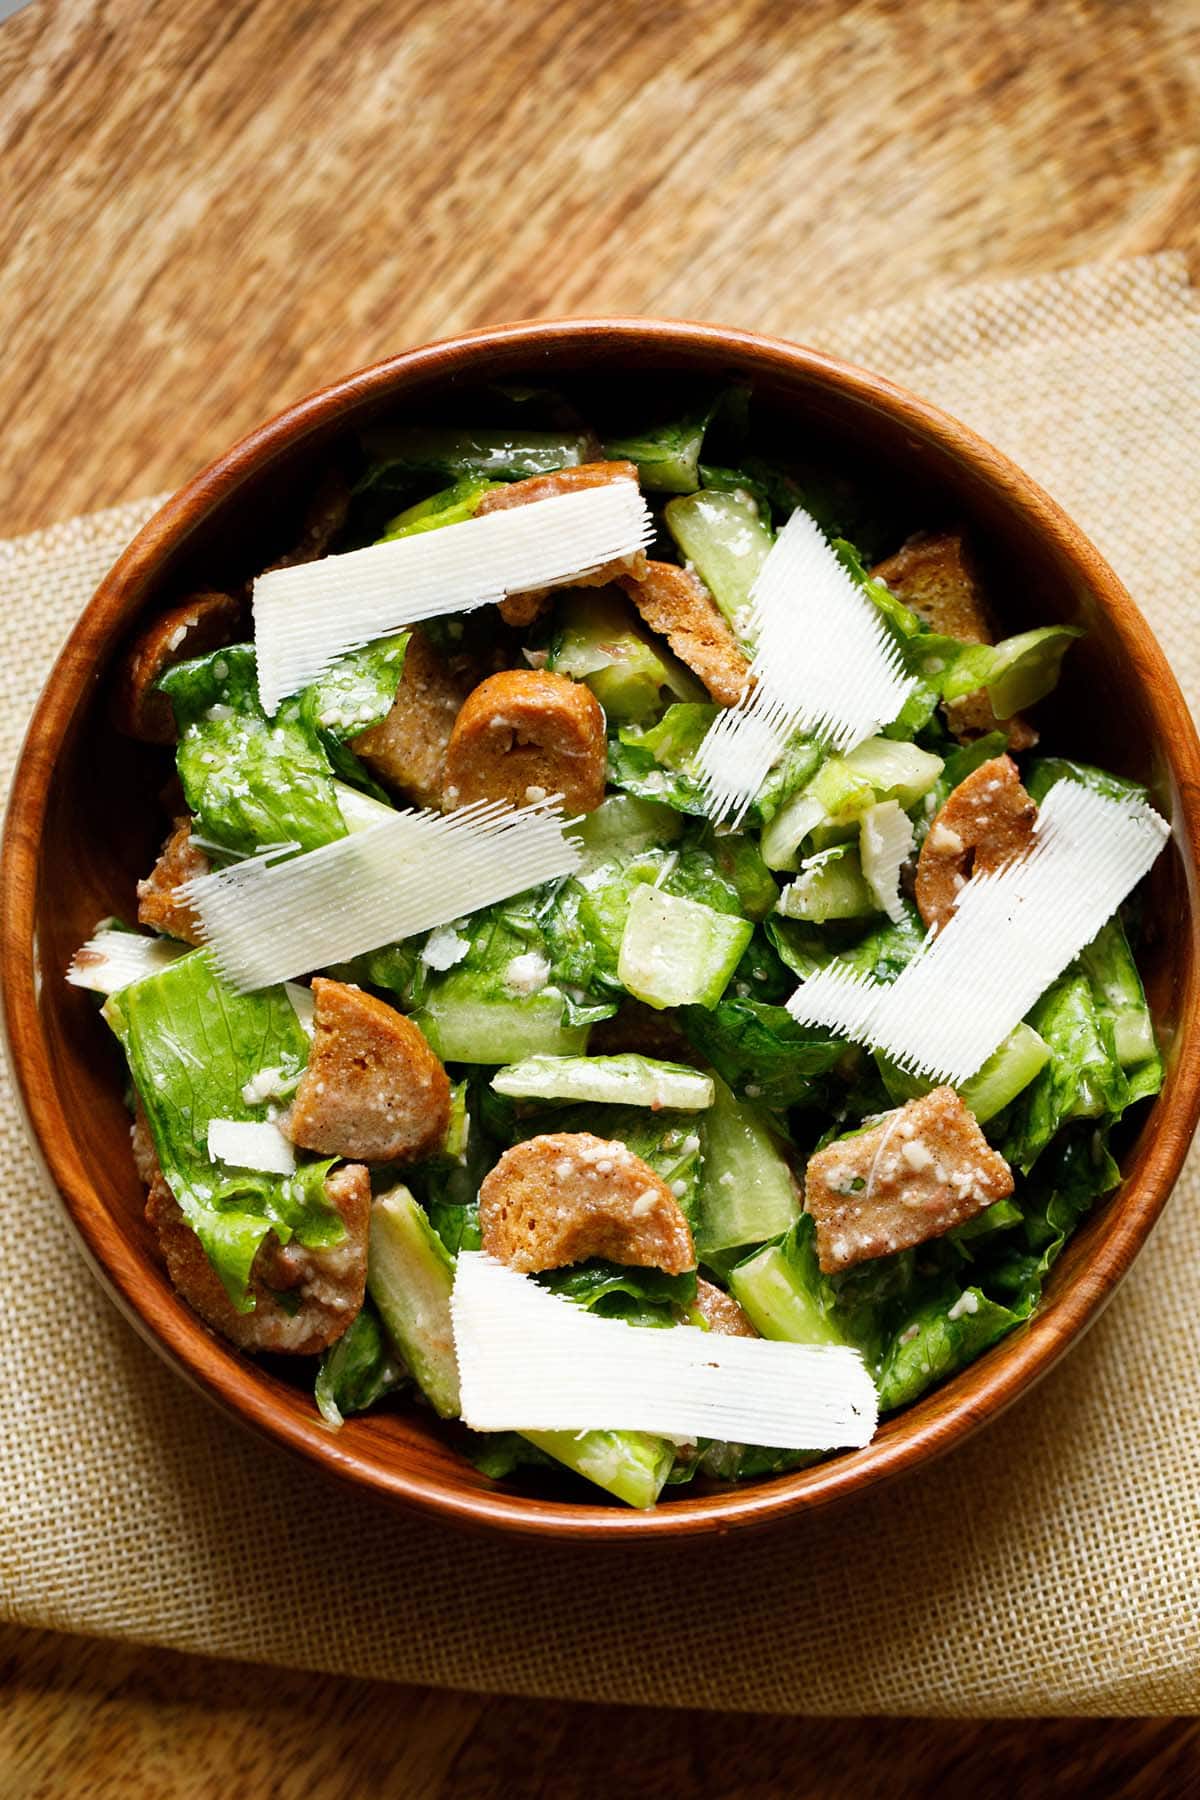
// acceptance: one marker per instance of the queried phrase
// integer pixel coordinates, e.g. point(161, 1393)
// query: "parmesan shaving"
point(886, 841)
point(1013, 931)
point(530, 1361)
point(307, 615)
point(251, 1144)
point(115, 959)
point(824, 664)
point(267, 921)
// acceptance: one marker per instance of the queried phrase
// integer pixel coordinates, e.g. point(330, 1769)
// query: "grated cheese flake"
point(886, 841)
point(115, 959)
point(267, 921)
point(1012, 932)
point(251, 1144)
point(824, 664)
point(308, 615)
point(529, 1360)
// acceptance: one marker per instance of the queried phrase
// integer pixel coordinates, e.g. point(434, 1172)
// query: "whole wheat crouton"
point(201, 623)
point(934, 575)
point(373, 1089)
point(920, 1171)
point(324, 1287)
point(567, 1196)
point(986, 821)
point(676, 603)
point(721, 1312)
point(160, 904)
point(523, 609)
point(524, 734)
point(407, 750)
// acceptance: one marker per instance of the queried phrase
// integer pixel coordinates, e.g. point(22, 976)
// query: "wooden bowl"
point(84, 823)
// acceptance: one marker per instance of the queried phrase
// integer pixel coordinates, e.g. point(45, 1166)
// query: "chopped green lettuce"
point(762, 1052)
point(450, 506)
point(358, 1370)
point(194, 1048)
point(617, 1291)
point(723, 538)
point(1017, 672)
point(251, 781)
point(599, 640)
point(397, 453)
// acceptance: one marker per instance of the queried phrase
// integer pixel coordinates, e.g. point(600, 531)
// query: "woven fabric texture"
point(1049, 1566)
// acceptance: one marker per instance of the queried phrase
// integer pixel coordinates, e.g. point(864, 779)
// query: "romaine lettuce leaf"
point(358, 1370)
point(1083, 1077)
point(354, 693)
point(251, 781)
point(617, 1291)
point(761, 1051)
point(194, 1048)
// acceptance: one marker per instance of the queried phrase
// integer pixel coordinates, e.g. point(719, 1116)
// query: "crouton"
point(524, 734)
point(721, 1312)
point(197, 625)
point(567, 1196)
point(523, 609)
point(913, 1176)
point(406, 751)
point(324, 1287)
point(160, 904)
point(934, 575)
point(676, 604)
point(987, 820)
point(373, 1089)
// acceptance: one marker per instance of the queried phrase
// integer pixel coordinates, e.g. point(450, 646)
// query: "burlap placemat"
point(1047, 1567)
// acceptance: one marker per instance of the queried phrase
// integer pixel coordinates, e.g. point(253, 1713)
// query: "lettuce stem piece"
point(725, 541)
point(746, 1189)
point(410, 1275)
point(677, 952)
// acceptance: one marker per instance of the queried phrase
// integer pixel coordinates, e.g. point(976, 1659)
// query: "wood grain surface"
point(206, 210)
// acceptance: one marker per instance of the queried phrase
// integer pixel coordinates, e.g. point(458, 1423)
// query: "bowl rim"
point(935, 1423)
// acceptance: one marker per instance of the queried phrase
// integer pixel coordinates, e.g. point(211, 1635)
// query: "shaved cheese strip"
point(1011, 934)
point(531, 1361)
point(251, 1144)
point(267, 921)
point(307, 615)
point(886, 839)
point(824, 664)
point(115, 959)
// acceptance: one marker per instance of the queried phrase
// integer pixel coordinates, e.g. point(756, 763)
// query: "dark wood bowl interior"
point(85, 821)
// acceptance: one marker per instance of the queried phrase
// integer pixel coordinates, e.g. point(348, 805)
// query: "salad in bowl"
point(620, 973)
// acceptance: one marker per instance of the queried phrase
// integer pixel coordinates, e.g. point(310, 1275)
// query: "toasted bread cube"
point(373, 1090)
point(568, 1196)
point(199, 624)
point(986, 821)
point(160, 904)
point(325, 1286)
point(523, 609)
point(676, 603)
point(406, 751)
point(721, 1312)
point(913, 1176)
point(524, 734)
point(934, 575)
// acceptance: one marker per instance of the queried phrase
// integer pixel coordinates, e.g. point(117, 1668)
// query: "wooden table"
point(209, 209)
